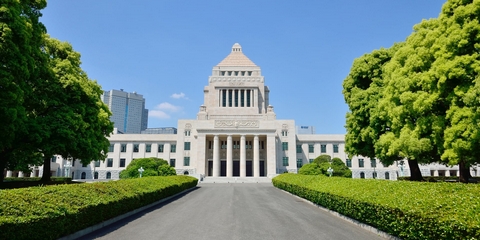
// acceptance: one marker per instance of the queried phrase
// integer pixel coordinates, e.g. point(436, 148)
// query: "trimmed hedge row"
point(51, 212)
point(409, 210)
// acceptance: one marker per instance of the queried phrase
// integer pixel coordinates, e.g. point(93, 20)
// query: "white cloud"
point(165, 106)
point(179, 95)
point(158, 114)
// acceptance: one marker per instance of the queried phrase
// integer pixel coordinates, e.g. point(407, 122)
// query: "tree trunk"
point(46, 169)
point(464, 169)
point(415, 174)
point(3, 164)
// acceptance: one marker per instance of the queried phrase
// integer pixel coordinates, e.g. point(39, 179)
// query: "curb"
point(103, 224)
point(351, 220)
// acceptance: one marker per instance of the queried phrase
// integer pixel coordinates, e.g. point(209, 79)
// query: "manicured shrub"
point(151, 166)
point(409, 210)
point(51, 212)
point(310, 169)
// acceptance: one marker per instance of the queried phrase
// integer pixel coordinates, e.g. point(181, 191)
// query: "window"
point(374, 175)
point(285, 161)
point(323, 148)
point(387, 175)
point(224, 98)
point(187, 133)
point(53, 159)
point(160, 148)
point(310, 148)
point(109, 175)
point(110, 148)
point(284, 133)
point(187, 146)
point(123, 148)
point(335, 148)
point(109, 162)
point(135, 147)
point(95, 175)
point(84, 175)
point(284, 146)
point(97, 163)
point(299, 163)
point(362, 175)
point(299, 148)
point(173, 148)
point(349, 162)
point(186, 161)
point(172, 162)
point(360, 162)
point(373, 163)
point(148, 148)
point(310, 160)
point(122, 162)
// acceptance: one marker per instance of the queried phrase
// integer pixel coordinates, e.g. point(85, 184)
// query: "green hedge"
point(409, 210)
point(51, 212)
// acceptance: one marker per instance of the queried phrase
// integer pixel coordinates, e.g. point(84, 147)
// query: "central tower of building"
point(236, 89)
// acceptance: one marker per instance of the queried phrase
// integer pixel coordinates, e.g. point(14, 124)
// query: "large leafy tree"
point(362, 89)
point(72, 120)
point(457, 67)
point(429, 100)
point(22, 66)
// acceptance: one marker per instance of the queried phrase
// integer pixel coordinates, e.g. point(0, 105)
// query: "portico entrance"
point(236, 168)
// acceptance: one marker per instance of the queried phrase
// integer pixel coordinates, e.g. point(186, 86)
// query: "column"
point(256, 157)
point(271, 156)
point(229, 156)
point(243, 157)
point(9, 173)
point(216, 157)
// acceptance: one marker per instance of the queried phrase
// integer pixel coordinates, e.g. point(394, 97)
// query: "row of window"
point(236, 144)
point(323, 148)
point(148, 147)
point(361, 163)
point(235, 73)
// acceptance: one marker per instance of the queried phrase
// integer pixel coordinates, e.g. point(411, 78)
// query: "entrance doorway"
point(248, 169)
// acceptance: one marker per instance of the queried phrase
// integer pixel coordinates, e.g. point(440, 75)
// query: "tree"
point(71, 120)
point(22, 66)
point(456, 65)
point(363, 89)
point(151, 166)
point(340, 169)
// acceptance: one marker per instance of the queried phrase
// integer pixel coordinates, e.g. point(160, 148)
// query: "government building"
point(235, 137)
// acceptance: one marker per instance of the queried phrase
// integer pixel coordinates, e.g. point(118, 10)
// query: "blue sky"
point(165, 50)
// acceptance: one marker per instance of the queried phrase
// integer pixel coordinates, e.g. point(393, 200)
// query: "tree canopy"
point(49, 106)
point(23, 65)
point(418, 100)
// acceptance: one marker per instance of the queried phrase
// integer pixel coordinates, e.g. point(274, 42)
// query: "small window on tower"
point(243, 73)
point(222, 73)
point(236, 73)
point(249, 73)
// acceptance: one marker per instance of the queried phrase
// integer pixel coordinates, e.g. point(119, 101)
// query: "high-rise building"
point(128, 110)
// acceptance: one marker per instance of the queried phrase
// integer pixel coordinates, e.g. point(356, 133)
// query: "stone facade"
point(236, 135)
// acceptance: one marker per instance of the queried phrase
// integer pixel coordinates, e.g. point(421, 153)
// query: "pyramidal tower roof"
point(236, 58)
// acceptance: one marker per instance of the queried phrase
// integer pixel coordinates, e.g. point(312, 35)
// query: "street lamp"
point(140, 170)
point(67, 167)
point(330, 171)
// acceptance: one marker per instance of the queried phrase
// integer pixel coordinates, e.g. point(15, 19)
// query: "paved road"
point(234, 211)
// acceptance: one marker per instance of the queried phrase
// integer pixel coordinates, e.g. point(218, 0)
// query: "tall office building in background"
point(128, 110)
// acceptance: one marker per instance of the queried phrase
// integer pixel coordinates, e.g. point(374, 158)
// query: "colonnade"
point(229, 156)
point(237, 97)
